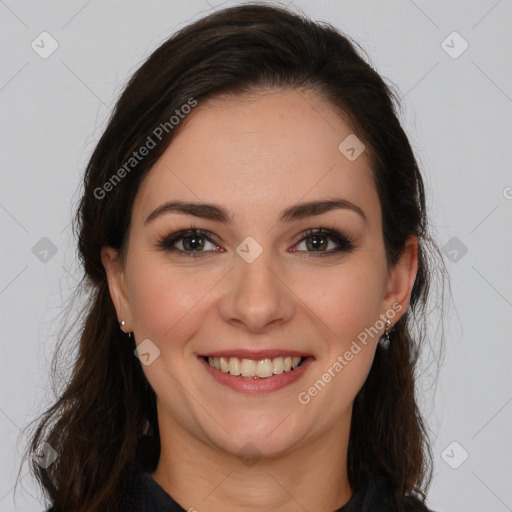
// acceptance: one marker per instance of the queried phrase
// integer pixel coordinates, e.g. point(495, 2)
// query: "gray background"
point(457, 113)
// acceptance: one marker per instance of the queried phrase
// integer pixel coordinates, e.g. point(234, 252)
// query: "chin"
point(270, 438)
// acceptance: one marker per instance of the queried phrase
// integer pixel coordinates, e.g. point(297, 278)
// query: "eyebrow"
point(218, 213)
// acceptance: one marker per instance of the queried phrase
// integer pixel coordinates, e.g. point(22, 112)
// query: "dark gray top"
point(146, 495)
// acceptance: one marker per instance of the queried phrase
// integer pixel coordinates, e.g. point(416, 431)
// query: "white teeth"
point(278, 365)
point(224, 364)
point(234, 366)
point(248, 368)
point(264, 368)
point(254, 369)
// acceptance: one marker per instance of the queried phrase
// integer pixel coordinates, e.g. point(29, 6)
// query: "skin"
point(257, 155)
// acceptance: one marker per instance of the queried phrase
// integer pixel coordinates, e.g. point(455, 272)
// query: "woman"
point(254, 235)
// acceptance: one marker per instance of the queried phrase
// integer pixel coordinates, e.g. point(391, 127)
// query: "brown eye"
point(319, 240)
point(192, 241)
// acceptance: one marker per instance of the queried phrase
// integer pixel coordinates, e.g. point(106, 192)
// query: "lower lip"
point(255, 386)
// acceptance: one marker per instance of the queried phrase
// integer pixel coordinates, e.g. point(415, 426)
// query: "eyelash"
point(345, 243)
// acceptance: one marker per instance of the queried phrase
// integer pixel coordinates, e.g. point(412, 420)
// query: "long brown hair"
point(106, 413)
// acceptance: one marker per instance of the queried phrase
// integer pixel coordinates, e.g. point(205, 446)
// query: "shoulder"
point(413, 504)
point(379, 495)
point(131, 486)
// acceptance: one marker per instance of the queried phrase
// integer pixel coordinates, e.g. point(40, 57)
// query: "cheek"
point(346, 300)
point(347, 303)
point(167, 303)
point(348, 307)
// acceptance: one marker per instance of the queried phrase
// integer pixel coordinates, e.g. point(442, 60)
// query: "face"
point(273, 283)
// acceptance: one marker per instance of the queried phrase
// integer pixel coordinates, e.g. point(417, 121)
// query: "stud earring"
point(385, 340)
point(121, 325)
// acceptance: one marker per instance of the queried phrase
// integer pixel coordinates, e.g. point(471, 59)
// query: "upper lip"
point(256, 354)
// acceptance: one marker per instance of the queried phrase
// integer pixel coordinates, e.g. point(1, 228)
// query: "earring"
point(385, 340)
point(121, 325)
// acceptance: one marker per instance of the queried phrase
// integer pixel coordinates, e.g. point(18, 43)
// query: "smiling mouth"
point(255, 369)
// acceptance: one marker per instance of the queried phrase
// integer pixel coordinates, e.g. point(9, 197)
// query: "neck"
point(199, 476)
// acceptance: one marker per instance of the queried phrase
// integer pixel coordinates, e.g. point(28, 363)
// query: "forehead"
point(259, 152)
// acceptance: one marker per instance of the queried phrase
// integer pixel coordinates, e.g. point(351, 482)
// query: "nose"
point(257, 295)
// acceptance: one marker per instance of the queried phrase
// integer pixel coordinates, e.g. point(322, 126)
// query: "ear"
point(117, 285)
point(401, 280)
